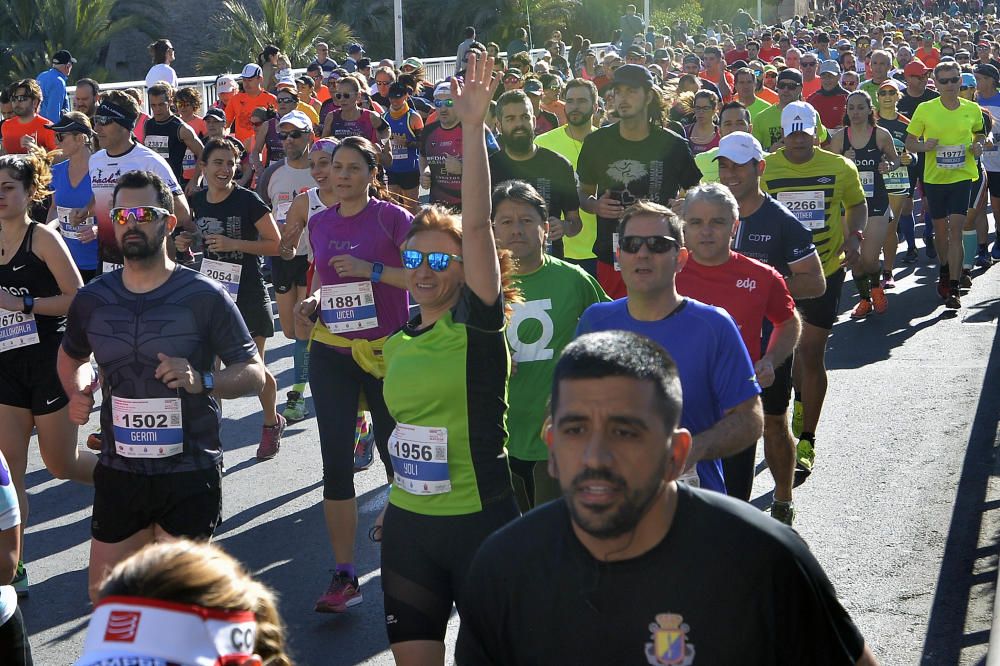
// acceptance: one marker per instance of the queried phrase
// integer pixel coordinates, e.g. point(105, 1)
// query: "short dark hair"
point(470, 32)
point(582, 83)
point(518, 190)
point(161, 90)
point(643, 207)
point(94, 85)
point(735, 105)
point(138, 180)
point(515, 96)
point(622, 354)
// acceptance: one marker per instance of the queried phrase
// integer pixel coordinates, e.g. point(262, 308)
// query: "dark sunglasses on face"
point(953, 79)
point(382, 83)
point(656, 244)
point(886, 93)
point(438, 261)
point(287, 100)
point(343, 95)
point(784, 85)
point(141, 214)
point(61, 136)
point(807, 64)
point(294, 134)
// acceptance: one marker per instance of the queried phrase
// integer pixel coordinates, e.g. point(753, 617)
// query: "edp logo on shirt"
point(746, 283)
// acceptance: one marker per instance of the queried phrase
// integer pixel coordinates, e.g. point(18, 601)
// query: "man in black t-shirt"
point(547, 171)
point(631, 160)
point(625, 569)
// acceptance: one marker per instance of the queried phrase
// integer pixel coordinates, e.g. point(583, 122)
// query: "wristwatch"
point(207, 382)
point(377, 269)
point(29, 304)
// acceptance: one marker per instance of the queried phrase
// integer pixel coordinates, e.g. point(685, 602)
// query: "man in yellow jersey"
point(580, 97)
point(814, 184)
point(734, 117)
point(950, 130)
point(767, 123)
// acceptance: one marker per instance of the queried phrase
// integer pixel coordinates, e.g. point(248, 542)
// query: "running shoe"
point(910, 256)
point(805, 457)
point(20, 582)
point(295, 407)
point(983, 259)
point(270, 439)
point(965, 282)
point(929, 247)
point(94, 441)
point(783, 512)
point(879, 301)
point(887, 281)
point(864, 308)
point(953, 302)
point(343, 593)
point(797, 411)
point(995, 254)
point(364, 447)
point(943, 287)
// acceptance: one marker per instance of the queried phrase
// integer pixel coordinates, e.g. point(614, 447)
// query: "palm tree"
point(294, 26)
point(35, 29)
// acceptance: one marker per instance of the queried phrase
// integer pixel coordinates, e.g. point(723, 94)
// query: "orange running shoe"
point(879, 300)
point(863, 310)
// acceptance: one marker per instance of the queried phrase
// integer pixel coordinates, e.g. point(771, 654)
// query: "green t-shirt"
point(952, 161)
point(580, 246)
point(555, 296)
point(707, 165)
point(815, 192)
point(757, 106)
point(767, 127)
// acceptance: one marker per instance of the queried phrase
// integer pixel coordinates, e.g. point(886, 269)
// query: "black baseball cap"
point(790, 74)
point(63, 58)
point(989, 70)
point(216, 114)
point(636, 76)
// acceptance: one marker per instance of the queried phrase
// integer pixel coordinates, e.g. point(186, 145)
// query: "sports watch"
point(29, 304)
point(207, 382)
point(377, 269)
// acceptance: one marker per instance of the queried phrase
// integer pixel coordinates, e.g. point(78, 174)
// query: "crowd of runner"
point(610, 271)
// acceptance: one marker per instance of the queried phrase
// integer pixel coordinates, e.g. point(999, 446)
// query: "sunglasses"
point(382, 83)
point(785, 85)
point(343, 95)
point(294, 134)
point(807, 64)
point(438, 261)
point(287, 100)
point(444, 102)
point(953, 79)
point(61, 136)
point(886, 93)
point(141, 214)
point(656, 244)
point(103, 120)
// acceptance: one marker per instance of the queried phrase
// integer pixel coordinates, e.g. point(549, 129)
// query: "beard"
point(143, 247)
point(624, 518)
point(520, 142)
point(577, 119)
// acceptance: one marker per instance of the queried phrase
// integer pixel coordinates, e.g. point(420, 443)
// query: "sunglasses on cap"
point(103, 120)
point(656, 244)
point(444, 102)
point(438, 261)
point(294, 134)
point(141, 214)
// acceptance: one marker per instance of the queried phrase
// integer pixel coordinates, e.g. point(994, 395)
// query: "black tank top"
point(164, 139)
point(867, 159)
point(27, 275)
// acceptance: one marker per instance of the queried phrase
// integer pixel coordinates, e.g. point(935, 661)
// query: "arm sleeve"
point(733, 378)
point(163, 170)
point(75, 342)
point(491, 143)
point(586, 167)
point(401, 223)
point(565, 185)
point(688, 174)
point(232, 110)
point(471, 311)
point(797, 241)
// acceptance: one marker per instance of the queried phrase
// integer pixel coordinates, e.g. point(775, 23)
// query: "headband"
point(116, 113)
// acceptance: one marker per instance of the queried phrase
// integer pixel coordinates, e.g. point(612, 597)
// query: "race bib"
point(868, 183)
point(224, 272)
point(897, 181)
point(950, 157)
point(160, 144)
point(614, 251)
point(809, 207)
point(108, 267)
point(282, 203)
point(17, 330)
point(348, 307)
point(399, 149)
point(188, 162)
point(420, 459)
point(147, 427)
point(66, 227)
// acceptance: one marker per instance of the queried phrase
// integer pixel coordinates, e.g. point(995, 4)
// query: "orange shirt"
point(241, 106)
point(768, 95)
point(13, 129)
point(809, 87)
point(729, 81)
point(322, 93)
point(557, 108)
point(930, 58)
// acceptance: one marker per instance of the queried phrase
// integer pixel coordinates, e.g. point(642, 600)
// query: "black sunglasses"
point(294, 134)
point(953, 79)
point(343, 95)
point(656, 244)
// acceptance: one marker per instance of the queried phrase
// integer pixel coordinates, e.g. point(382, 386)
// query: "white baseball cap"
point(296, 119)
point(740, 147)
point(252, 71)
point(225, 84)
point(798, 117)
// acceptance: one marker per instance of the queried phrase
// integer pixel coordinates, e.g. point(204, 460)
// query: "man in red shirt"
point(750, 291)
point(716, 73)
point(927, 54)
point(242, 104)
point(26, 127)
point(808, 65)
point(739, 52)
point(830, 101)
point(768, 51)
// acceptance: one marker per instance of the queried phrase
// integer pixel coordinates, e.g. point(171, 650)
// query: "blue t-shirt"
point(714, 366)
point(69, 197)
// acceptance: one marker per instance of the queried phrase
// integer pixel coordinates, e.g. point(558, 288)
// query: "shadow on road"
point(946, 635)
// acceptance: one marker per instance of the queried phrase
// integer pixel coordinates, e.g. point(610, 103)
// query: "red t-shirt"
point(931, 57)
point(767, 55)
point(745, 288)
point(729, 80)
point(13, 129)
point(736, 54)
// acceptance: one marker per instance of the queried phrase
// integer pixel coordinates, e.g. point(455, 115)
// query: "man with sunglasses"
point(721, 405)
point(767, 124)
point(809, 67)
point(242, 104)
point(160, 419)
point(950, 130)
point(26, 127)
point(268, 147)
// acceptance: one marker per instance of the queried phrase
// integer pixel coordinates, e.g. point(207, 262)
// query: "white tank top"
point(316, 205)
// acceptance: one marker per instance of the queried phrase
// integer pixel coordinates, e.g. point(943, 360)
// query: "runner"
point(746, 91)
point(987, 79)
point(628, 161)
point(703, 133)
point(237, 230)
point(830, 101)
point(26, 128)
point(71, 190)
point(357, 300)
point(951, 130)
point(188, 102)
point(567, 140)
point(215, 125)
point(769, 233)
point(900, 183)
point(266, 140)
point(555, 295)
point(871, 149)
point(37, 284)
point(405, 126)
point(14, 646)
point(767, 125)
point(752, 293)
point(278, 186)
point(169, 136)
point(734, 117)
point(452, 483)
point(976, 222)
point(814, 185)
point(165, 395)
point(632, 548)
point(350, 119)
point(242, 104)
point(915, 94)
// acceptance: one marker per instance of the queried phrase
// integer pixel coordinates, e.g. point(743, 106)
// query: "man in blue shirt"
point(53, 84)
point(721, 405)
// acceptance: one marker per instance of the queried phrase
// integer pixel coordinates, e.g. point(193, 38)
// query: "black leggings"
point(738, 471)
point(337, 381)
point(14, 647)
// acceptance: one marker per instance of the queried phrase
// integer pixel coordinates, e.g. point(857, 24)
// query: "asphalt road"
point(902, 510)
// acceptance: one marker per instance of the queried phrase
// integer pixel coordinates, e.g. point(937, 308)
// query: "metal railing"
point(436, 69)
